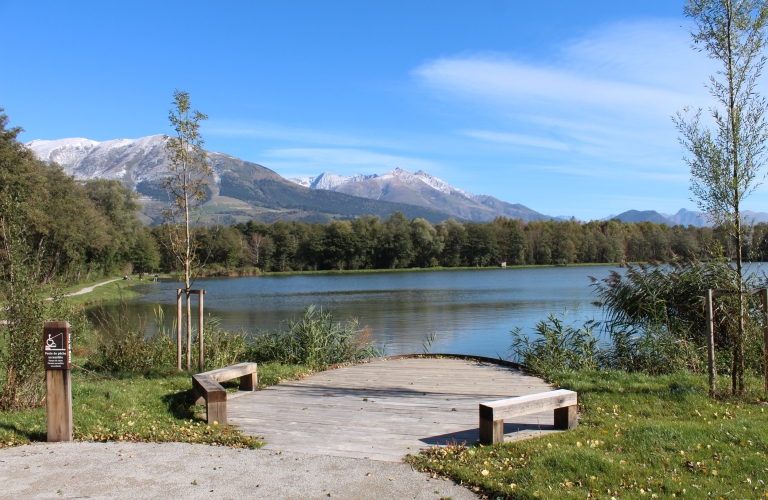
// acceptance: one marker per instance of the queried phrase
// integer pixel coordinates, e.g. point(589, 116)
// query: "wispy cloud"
point(604, 98)
point(296, 135)
point(517, 139)
point(345, 161)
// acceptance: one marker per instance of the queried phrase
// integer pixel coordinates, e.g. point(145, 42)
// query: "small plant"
point(426, 344)
point(557, 346)
point(315, 341)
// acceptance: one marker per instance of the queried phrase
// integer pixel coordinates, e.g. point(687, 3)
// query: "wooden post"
point(710, 341)
point(567, 418)
point(178, 329)
point(764, 293)
point(200, 294)
point(57, 358)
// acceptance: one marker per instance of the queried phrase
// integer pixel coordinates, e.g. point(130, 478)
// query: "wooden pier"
point(383, 410)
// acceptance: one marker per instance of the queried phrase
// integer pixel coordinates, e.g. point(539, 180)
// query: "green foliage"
point(557, 346)
point(222, 348)
point(639, 436)
point(315, 341)
point(725, 161)
point(654, 323)
point(125, 348)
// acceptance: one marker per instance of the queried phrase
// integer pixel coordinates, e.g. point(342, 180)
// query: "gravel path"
point(177, 470)
point(89, 289)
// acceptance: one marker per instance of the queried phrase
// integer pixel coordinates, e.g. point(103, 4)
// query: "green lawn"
point(137, 408)
point(639, 436)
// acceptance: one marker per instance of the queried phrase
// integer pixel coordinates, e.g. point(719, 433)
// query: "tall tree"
point(186, 189)
point(725, 161)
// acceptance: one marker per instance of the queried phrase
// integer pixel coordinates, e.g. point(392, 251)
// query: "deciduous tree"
point(725, 160)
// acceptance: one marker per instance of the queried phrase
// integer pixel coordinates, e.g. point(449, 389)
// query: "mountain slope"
point(420, 189)
point(142, 165)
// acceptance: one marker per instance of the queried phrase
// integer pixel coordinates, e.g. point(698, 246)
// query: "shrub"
point(123, 347)
point(315, 341)
point(221, 348)
point(557, 347)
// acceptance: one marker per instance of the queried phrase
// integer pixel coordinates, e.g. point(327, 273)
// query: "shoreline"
point(439, 268)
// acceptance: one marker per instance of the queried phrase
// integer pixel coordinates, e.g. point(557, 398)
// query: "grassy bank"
point(156, 408)
point(640, 436)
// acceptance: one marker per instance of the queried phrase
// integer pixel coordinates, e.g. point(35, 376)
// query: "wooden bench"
point(492, 414)
point(209, 390)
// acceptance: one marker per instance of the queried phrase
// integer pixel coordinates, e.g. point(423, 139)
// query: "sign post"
point(57, 356)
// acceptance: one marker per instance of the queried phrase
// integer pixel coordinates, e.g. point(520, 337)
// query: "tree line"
point(72, 230)
point(372, 243)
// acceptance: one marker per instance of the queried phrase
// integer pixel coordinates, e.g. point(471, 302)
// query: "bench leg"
point(199, 399)
point(249, 382)
point(491, 431)
point(565, 418)
point(216, 412)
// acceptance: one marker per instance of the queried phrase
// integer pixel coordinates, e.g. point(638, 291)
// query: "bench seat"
point(208, 388)
point(492, 414)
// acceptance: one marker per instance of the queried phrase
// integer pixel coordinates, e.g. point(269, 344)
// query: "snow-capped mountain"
point(420, 189)
point(130, 160)
point(142, 164)
point(331, 182)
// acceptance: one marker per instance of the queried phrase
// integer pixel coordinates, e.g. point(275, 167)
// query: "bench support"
point(208, 390)
point(492, 414)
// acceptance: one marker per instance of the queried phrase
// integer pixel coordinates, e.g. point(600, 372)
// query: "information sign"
point(57, 346)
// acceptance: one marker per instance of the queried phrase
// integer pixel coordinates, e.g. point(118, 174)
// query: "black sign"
point(57, 345)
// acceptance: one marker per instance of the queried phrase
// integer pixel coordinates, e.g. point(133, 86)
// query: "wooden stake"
point(178, 329)
point(764, 293)
point(710, 342)
point(57, 356)
point(200, 294)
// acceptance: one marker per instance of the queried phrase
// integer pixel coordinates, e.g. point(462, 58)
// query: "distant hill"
point(641, 216)
point(683, 217)
point(421, 189)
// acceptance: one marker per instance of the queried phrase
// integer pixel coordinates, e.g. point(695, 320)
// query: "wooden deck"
point(383, 410)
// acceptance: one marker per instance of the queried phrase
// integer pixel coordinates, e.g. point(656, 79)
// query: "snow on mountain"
point(129, 160)
point(132, 160)
point(333, 182)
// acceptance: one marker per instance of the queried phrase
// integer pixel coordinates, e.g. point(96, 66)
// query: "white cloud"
point(343, 161)
point(602, 99)
point(263, 130)
point(516, 139)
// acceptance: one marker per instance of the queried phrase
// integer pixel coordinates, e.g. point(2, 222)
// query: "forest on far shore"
point(72, 230)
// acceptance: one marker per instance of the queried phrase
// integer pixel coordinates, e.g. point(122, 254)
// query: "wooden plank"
point(208, 388)
point(522, 405)
point(232, 372)
point(409, 407)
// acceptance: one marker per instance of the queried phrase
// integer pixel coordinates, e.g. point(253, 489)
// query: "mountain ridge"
point(142, 164)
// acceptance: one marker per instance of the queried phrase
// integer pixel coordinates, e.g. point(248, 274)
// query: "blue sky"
point(562, 106)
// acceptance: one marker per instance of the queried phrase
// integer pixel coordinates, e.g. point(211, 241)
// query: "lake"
point(472, 311)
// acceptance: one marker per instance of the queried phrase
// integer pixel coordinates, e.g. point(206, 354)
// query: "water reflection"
point(471, 311)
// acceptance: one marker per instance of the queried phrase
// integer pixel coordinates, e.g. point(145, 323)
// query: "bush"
point(558, 347)
point(126, 348)
point(221, 348)
point(315, 341)
point(654, 319)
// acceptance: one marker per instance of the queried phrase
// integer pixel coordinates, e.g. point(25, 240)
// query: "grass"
point(640, 436)
point(137, 408)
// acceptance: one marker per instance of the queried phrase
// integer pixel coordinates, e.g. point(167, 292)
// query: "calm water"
point(471, 311)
